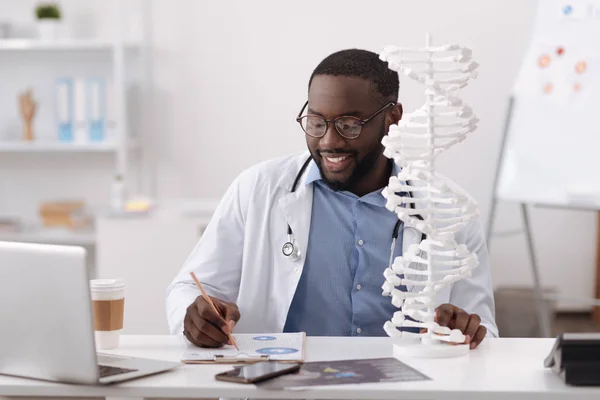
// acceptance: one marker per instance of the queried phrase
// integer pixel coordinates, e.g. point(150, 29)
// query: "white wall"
point(238, 71)
point(231, 76)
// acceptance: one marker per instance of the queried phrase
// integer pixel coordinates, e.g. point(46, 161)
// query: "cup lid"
point(107, 285)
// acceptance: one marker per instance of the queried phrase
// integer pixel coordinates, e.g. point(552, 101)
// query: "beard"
point(360, 170)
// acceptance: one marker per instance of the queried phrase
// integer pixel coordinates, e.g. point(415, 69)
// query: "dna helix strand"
point(431, 204)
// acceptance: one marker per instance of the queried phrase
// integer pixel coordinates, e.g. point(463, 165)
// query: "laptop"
point(47, 322)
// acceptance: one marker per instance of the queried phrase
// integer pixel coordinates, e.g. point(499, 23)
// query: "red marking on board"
point(560, 51)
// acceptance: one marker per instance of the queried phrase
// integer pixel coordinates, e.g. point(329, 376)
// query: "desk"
point(498, 369)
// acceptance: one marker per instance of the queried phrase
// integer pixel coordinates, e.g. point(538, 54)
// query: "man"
point(333, 212)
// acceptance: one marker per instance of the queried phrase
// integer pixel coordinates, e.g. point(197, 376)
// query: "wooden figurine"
point(28, 107)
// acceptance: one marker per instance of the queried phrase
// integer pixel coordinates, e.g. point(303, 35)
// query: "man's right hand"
point(204, 328)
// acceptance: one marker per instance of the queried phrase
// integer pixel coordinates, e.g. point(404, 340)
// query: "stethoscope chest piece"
point(290, 249)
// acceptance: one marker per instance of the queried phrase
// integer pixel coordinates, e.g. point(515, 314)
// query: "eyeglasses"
point(347, 126)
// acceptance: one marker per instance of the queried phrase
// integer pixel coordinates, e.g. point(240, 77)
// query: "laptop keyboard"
point(107, 370)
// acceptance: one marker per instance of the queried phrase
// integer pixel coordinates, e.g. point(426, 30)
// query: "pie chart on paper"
point(276, 350)
point(265, 338)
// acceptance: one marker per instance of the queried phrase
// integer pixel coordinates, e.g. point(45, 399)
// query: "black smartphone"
point(257, 372)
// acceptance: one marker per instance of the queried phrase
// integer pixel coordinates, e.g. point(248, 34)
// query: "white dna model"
point(428, 204)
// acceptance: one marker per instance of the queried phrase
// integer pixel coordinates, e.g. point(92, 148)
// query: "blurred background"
point(122, 123)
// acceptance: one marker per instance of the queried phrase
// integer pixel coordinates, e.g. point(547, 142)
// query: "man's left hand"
point(457, 318)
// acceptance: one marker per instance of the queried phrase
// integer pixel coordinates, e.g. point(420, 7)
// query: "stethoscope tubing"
point(290, 249)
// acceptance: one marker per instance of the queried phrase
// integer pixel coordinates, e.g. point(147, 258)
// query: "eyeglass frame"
point(363, 122)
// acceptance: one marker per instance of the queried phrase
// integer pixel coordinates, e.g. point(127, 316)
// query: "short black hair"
point(361, 64)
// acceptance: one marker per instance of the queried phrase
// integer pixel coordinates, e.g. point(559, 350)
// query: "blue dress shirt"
point(339, 293)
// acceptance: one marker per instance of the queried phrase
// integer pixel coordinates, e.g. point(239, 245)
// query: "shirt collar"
point(376, 198)
point(313, 173)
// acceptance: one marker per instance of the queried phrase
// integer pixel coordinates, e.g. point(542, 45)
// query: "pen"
point(209, 301)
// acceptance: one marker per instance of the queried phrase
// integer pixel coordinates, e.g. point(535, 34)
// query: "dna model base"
point(430, 204)
point(418, 348)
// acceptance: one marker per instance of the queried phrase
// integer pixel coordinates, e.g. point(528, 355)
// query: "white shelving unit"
point(60, 147)
point(12, 45)
point(121, 142)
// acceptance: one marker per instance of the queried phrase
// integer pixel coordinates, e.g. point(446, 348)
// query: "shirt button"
point(358, 287)
point(297, 270)
point(360, 242)
point(358, 330)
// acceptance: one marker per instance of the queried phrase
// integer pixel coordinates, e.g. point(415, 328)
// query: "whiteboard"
point(552, 150)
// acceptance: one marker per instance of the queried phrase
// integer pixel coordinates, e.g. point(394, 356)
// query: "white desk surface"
point(499, 368)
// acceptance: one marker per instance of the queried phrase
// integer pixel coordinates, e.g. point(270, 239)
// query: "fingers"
point(457, 318)
point(472, 325)
point(231, 325)
point(208, 313)
point(479, 336)
point(232, 314)
point(195, 335)
point(460, 320)
point(206, 328)
point(444, 314)
point(229, 311)
point(452, 317)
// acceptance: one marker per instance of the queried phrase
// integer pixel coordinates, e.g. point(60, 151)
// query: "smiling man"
point(300, 243)
point(350, 160)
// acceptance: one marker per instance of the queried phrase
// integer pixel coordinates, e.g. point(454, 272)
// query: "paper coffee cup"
point(108, 300)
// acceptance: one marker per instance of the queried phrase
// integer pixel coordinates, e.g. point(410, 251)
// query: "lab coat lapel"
point(297, 210)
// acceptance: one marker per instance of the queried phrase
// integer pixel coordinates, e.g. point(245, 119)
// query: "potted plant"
point(48, 20)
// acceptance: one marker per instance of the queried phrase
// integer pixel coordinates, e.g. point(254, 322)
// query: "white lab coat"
point(239, 256)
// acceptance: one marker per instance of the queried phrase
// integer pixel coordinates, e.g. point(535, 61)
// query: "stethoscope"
point(290, 249)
